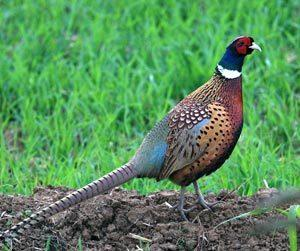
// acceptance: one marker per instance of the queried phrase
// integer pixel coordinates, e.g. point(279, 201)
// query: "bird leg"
point(180, 205)
point(200, 198)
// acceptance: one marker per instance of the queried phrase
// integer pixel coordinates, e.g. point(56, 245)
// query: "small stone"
point(111, 228)
point(85, 233)
point(168, 246)
point(155, 247)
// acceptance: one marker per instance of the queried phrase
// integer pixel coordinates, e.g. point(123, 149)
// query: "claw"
point(201, 200)
point(182, 213)
point(179, 206)
point(205, 204)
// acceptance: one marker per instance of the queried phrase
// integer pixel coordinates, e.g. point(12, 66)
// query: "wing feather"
point(185, 123)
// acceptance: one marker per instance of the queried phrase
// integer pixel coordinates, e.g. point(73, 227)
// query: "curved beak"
point(255, 46)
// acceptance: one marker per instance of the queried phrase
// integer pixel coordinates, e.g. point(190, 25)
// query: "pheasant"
point(194, 139)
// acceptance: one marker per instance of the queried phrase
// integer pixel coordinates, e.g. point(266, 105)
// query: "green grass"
point(82, 82)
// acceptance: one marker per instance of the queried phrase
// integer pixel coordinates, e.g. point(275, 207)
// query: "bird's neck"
point(231, 95)
point(230, 65)
point(218, 89)
point(227, 92)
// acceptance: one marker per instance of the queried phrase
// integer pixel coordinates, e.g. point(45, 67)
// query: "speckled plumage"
point(222, 108)
point(197, 135)
point(194, 139)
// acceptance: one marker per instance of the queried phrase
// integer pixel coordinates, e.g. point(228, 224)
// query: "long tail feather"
point(107, 182)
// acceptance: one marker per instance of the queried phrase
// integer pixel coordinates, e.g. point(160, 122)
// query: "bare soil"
point(121, 219)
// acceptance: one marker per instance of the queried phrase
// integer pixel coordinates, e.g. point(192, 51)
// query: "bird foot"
point(182, 210)
point(207, 205)
point(204, 204)
point(200, 200)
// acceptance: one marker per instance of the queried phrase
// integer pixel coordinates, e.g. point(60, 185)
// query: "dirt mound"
point(120, 220)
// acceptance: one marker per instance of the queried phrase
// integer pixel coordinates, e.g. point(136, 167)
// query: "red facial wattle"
point(242, 45)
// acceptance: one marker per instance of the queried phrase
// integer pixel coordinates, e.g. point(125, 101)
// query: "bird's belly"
point(220, 140)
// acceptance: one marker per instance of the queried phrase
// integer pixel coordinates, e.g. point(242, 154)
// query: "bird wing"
point(185, 123)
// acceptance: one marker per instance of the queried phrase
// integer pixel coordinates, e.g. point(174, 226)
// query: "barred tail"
point(109, 181)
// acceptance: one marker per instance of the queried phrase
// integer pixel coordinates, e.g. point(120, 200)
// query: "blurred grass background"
point(81, 83)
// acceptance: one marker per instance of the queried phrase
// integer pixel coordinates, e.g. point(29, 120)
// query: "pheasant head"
point(230, 66)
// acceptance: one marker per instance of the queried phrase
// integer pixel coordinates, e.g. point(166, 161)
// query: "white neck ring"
point(228, 73)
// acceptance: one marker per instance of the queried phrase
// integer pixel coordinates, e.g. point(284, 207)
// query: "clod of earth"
point(128, 220)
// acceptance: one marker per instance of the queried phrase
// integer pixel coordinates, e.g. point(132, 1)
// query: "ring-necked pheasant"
point(194, 139)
